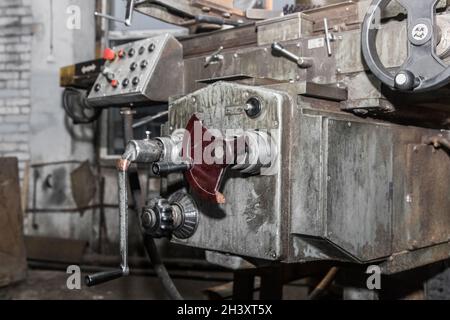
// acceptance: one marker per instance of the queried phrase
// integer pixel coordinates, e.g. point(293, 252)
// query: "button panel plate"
point(135, 70)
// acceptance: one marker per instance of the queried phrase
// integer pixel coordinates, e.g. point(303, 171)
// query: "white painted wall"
point(51, 140)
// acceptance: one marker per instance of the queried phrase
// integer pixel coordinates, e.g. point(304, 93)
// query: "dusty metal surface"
point(359, 188)
point(341, 190)
point(13, 266)
point(341, 181)
point(427, 201)
point(253, 213)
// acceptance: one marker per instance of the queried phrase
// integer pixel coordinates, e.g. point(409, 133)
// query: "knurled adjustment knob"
point(157, 218)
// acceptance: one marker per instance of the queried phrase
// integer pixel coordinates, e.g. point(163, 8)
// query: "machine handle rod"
point(102, 277)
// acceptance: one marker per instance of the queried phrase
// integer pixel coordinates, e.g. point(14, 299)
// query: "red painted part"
point(204, 179)
point(109, 54)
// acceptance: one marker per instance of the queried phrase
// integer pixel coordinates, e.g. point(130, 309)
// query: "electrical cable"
point(76, 106)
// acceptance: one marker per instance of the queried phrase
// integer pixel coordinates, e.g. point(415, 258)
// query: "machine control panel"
point(133, 73)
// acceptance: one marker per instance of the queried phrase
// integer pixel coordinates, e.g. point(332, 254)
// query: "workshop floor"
point(51, 285)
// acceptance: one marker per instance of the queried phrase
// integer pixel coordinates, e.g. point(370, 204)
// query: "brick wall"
point(15, 66)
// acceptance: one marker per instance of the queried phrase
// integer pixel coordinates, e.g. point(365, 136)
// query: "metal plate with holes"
point(141, 74)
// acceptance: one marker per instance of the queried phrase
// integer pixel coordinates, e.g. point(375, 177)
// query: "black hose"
point(160, 269)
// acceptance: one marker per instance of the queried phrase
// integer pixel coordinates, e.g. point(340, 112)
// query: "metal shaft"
point(123, 216)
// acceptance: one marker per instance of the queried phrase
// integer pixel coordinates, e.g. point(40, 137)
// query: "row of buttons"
point(134, 65)
point(115, 83)
point(110, 54)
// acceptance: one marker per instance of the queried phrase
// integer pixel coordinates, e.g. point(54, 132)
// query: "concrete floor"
point(51, 285)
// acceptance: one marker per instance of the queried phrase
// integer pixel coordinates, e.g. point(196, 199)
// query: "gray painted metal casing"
point(338, 195)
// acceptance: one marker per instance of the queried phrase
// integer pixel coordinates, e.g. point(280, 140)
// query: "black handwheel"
point(423, 70)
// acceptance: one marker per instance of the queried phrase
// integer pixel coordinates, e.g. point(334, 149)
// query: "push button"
point(109, 54)
point(121, 54)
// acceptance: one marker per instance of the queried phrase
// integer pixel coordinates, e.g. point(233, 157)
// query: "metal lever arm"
point(99, 278)
point(128, 14)
point(302, 62)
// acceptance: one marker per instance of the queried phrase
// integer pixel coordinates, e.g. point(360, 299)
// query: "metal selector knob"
point(158, 218)
point(176, 217)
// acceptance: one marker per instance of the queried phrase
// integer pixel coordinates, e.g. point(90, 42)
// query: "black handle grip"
point(210, 20)
point(167, 168)
point(102, 277)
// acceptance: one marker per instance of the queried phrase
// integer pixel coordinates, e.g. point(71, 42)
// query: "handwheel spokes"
point(422, 61)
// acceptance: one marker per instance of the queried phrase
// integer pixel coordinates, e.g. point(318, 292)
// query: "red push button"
point(115, 83)
point(109, 54)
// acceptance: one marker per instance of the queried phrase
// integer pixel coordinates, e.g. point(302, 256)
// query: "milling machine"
point(319, 135)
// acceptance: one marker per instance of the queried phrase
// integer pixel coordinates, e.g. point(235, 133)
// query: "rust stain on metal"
point(123, 165)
